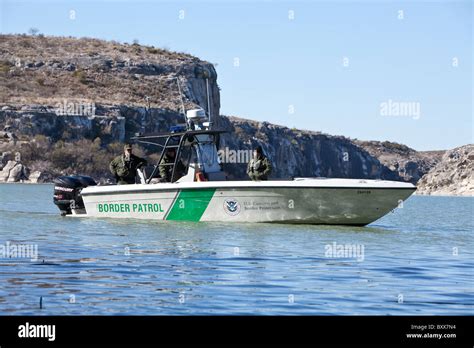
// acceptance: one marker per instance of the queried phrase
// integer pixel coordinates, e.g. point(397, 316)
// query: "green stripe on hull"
point(190, 204)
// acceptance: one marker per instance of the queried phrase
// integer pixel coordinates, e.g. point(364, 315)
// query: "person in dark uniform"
point(124, 167)
point(259, 167)
point(166, 169)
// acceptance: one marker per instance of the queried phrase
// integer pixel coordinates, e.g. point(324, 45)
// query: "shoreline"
point(443, 195)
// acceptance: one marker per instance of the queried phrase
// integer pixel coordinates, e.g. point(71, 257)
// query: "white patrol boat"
point(204, 194)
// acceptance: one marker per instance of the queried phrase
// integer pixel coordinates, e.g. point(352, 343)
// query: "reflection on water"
point(418, 260)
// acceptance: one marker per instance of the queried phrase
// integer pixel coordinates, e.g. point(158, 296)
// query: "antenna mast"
point(208, 102)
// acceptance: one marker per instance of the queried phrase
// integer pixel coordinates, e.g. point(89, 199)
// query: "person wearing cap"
point(124, 167)
point(259, 167)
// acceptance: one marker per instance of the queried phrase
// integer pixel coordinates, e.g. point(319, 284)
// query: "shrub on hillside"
point(84, 156)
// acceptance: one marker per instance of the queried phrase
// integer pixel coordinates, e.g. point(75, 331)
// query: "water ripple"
point(418, 260)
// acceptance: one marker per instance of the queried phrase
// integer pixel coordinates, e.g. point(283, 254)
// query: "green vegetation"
point(88, 157)
point(395, 146)
point(153, 50)
point(81, 76)
point(5, 66)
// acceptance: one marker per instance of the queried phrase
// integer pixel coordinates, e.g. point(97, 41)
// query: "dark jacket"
point(166, 170)
point(126, 171)
point(259, 168)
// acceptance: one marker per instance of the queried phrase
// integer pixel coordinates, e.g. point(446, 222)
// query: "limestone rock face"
point(410, 164)
point(38, 177)
point(14, 171)
point(296, 153)
point(453, 175)
point(4, 158)
point(110, 123)
point(48, 122)
point(98, 89)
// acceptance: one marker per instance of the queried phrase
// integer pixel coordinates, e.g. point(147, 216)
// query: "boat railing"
point(170, 143)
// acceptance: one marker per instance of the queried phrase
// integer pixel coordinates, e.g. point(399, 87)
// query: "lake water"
point(418, 260)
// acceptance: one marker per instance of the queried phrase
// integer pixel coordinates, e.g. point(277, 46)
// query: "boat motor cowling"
point(67, 192)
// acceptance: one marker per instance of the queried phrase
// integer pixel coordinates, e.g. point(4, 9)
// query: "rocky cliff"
point(410, 164)
point(72, 75)
point(298, 153)
point(37, 134)
point(453, 175)
point(71, 90)
point(67, 105)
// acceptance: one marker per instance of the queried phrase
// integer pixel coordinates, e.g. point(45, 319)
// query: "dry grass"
point(89, 80)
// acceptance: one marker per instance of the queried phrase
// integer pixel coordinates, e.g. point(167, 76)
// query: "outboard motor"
point(67, 192)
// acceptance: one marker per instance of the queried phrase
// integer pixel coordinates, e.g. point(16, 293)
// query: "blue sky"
point(319, 65)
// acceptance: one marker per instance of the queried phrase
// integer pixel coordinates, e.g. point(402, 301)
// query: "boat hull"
point(310, 204)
